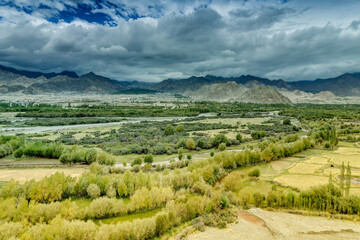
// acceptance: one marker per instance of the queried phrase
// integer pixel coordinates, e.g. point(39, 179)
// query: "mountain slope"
point(231, 91)
point(220, 92)
point(194, 83)
point(263, 94)
point(89, 82)
point(30, 74)
point(344, 85)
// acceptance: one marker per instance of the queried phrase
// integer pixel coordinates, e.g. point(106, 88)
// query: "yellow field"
point(305, 168)
point(280, 165)
point(347, 150)
point(318, 160)
point(354, 160)
point(23, 175)
point(300, 181)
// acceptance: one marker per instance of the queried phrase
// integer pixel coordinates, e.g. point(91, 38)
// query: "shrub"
point(218, 139)
point(258, 134)
point(105, 159)
point(93, 191)
point(111, 192)
point(90, 156)
point(190, 144)
point(136, 161)
point(179, 129)
point(180, 151)
point(254, 173)
point(287, 121)
point(189, 157)
point(239, 137)
point(18, 153)
point(222, 147)
point(149, 159)
point(200, 143)
point(169, 130)
point(212, 154)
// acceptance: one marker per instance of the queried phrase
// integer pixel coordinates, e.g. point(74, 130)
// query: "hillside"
point(344, 85)
point(194, 83)
point(263, 94)
point(231, 91)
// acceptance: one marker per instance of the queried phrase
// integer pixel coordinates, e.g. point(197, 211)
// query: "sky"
point(152, 40)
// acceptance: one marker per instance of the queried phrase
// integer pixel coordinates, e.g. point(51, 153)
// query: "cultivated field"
point(23, 175)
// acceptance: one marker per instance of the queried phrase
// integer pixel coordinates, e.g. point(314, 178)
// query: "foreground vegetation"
point(232, 172)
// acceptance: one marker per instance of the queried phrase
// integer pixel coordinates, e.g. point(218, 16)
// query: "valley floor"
point(262, 224)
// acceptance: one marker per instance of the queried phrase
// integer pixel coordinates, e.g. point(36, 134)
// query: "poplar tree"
point(342, 178)
point(348, 180)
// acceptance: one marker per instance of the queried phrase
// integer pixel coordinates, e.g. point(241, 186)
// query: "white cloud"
point(230, 39)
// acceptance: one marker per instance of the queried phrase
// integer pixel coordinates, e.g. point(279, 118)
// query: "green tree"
point(181, 155)
point(342, 177)
point(190, 144)
point(179, 128)
point(90, 156)
point(287, 121)
point(239, 137)
point(136, 161)
point(93, 191)
point(222, 147)
point(254, 173)
point(149, 159)
point(218, 139)
point(169, 130)
point(348, 180)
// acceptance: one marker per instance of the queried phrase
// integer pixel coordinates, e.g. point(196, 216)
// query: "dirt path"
point(259, 224)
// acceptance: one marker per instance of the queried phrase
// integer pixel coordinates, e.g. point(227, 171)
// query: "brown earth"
point(260, 224)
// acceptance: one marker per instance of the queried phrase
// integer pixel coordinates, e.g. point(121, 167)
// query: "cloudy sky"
point(151, 40)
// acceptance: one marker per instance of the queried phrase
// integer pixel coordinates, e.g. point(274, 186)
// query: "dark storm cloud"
point(185, 38)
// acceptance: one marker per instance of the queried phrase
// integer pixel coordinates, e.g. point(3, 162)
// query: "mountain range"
point(215, 88)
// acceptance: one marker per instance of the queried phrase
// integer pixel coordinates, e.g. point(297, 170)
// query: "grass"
point(301, 181)
point(304, 168)
point(129, 217)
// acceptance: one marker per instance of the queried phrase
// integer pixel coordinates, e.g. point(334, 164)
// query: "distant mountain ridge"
point(27, 82)
point(344, 85)
point(30, 74)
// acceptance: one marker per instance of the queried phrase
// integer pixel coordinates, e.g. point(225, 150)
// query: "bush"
point(136, 161)
point(327, 145)
point(179, 129)
point(200, 143)
point(149, 159)
point(190, 144)
point(180, 151)
point(218, 139)
point(258, 134)
point(93, 191)
point(239, 137)
point(287, 121)
point(189, 157)
point(212, 154)
point(106, 159)
point(222, 147)
point(18, 153)
point(254, 173)
point(169, 130)
point(90, 156)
